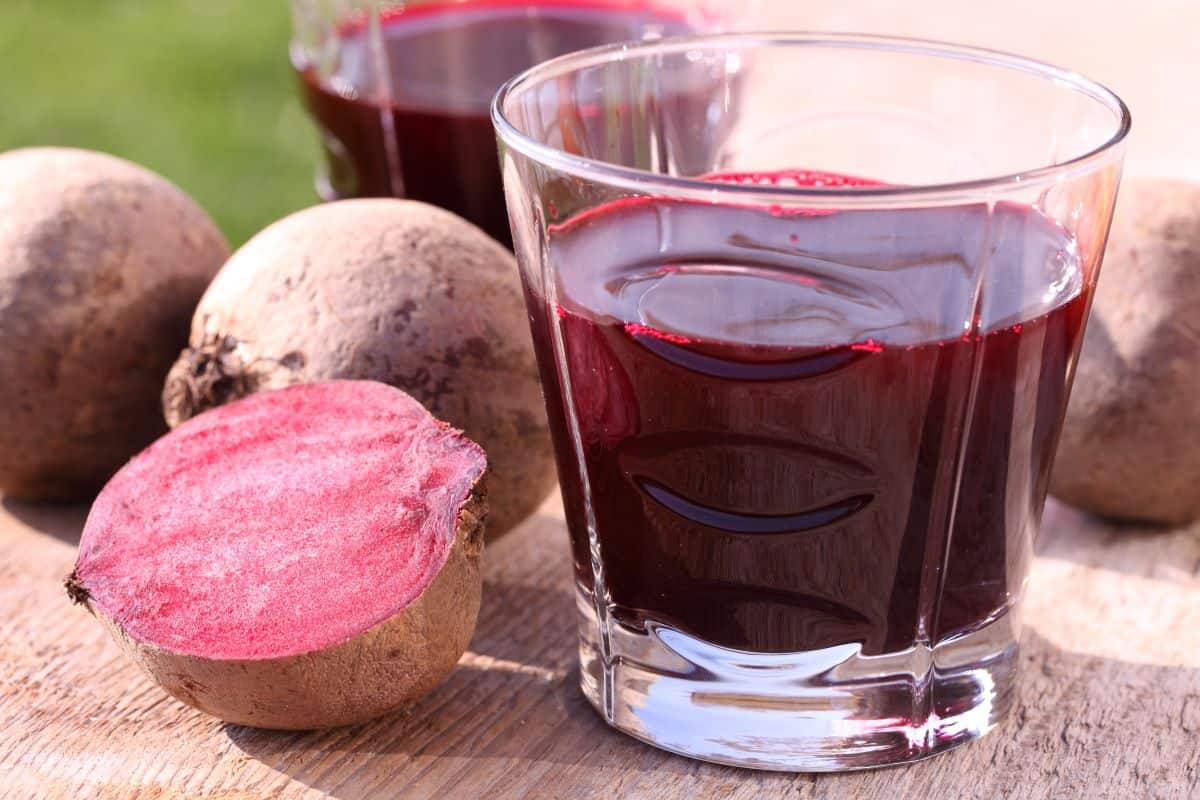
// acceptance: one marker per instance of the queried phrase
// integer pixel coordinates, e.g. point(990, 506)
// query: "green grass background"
point(200, 91)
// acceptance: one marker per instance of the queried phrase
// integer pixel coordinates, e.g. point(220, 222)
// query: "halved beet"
point(298, 559)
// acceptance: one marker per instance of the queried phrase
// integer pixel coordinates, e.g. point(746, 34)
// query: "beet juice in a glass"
point(399, 91)
point(807, 310)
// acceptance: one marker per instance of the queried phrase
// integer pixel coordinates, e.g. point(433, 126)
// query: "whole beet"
point(388, 290)
point(1130, 447)
point(101, 265)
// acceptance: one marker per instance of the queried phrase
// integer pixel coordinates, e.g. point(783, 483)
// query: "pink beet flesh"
point(280, 524)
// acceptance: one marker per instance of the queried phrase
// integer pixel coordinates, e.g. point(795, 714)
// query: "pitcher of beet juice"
point(399, 91)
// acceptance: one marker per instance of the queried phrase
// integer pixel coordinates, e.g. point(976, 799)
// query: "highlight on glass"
point(807, 309)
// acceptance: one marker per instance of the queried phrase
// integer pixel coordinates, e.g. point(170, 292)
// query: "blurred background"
point(202, 92)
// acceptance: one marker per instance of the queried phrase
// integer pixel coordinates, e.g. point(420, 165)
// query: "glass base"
point(818, 711)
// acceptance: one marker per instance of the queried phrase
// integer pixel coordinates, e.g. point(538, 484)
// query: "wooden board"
point(1109, 707)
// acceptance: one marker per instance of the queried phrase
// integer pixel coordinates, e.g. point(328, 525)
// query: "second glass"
point(400, 90)
point(807, 310)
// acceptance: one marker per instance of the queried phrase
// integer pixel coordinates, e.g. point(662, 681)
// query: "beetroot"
point(1130, 446)
point(298, 559)
point(101, 265)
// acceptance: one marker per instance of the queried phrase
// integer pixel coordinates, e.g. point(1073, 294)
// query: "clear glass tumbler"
point(807, 310)
point(400, 89)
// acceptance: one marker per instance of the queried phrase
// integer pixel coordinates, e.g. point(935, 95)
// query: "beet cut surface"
point(282, 524)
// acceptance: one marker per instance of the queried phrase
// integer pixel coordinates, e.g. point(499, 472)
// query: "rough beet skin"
point(299, 559)
point(1130, 446)
point(101, 265)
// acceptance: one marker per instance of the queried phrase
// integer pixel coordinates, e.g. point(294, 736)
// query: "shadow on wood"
point(492, 732)
point(64, 522)
point(1151, 551)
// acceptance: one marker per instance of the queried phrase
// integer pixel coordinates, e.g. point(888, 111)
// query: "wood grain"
point(1109, 708)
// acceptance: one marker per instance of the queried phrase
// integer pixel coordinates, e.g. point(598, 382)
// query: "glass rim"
point(647, 182)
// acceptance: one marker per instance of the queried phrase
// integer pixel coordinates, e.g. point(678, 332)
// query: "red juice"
point(801, 429)
point(433, 139)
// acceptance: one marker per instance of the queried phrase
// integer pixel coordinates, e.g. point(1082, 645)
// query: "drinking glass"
point(807, 310)
point(399, 91)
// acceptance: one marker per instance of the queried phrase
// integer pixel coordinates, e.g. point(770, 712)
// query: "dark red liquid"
point(772, 409)
point(433, 141)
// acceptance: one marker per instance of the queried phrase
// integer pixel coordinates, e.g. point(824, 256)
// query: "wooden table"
point(1109, 706)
